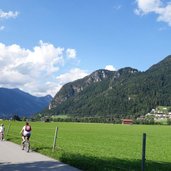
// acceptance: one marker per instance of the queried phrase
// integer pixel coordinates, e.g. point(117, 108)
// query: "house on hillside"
point(127, 121)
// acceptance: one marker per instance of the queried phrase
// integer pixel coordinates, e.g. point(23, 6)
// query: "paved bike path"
point(12, 158)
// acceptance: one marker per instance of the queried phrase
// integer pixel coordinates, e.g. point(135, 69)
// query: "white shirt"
point(25, 132)
point(2, 129)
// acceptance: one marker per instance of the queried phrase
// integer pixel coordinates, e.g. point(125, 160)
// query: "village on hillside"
point(159, 115)
point(161, 112)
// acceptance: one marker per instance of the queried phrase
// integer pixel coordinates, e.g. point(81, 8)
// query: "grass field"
point(100, 147)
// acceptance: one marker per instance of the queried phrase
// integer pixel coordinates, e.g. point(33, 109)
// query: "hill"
point(15, 101)
point(123, 92)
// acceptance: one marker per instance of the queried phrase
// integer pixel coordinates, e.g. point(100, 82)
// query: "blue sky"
point(45, 44)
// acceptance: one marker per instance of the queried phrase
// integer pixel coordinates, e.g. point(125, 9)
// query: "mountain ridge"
point(15, 101)
point(123, 92)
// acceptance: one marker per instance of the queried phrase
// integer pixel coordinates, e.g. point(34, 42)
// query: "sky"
point(47, 43)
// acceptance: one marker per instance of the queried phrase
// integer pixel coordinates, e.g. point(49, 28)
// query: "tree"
point(169, 121)
point(16, 118)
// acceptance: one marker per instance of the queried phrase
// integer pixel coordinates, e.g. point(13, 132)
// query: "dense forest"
point(126, 92)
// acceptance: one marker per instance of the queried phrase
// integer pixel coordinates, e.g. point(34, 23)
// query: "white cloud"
point(9, 14)
point(33, 70)
point(165, 14)
point(71, 53)
point(146, 6)
point(2, 28)
point(110, 68)
point(163, 11)
point(72, 75)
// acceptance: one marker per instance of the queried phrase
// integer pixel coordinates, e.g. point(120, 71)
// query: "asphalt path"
point(12, 158)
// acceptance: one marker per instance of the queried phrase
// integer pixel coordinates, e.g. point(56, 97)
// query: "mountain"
point(15, 101)
point(123, 92)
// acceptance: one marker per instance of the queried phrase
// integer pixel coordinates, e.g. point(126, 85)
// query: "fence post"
point(8, 130)
point(55, 139)
point(143, 152)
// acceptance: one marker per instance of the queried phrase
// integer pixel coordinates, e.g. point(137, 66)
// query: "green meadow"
point(100, 147)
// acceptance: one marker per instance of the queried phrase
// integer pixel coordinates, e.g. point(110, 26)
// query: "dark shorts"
point(28, 136)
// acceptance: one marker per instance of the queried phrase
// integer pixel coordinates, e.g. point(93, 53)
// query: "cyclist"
point(2, 130)
point(26, 132)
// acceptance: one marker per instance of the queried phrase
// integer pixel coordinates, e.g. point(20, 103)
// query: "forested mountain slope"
point(126, 91)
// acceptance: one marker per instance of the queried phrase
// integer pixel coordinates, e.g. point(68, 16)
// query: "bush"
point(169, 121)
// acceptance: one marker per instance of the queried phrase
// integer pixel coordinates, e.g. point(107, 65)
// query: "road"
point(12, 158)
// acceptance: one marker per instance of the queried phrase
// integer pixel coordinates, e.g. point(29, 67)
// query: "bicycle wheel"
point(27, 145)
point(0, 136)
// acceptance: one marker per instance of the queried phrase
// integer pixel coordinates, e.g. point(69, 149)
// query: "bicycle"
point(26, 144)
point(1, 136)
